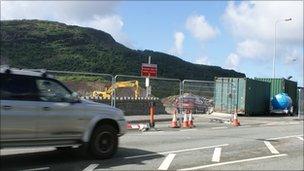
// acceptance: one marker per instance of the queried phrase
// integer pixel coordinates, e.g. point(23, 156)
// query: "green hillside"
point(57, 46)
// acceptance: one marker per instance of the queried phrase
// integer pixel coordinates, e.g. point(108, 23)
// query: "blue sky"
point(233, 35)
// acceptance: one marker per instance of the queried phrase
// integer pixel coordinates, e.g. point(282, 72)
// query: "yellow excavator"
point(122, 84)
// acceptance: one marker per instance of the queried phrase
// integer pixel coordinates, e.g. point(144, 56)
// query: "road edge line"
point(175, 151)
point(290, 136)
point(231, 162)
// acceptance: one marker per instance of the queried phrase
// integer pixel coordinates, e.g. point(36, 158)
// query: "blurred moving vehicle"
point(108, 93)
point(37, 110)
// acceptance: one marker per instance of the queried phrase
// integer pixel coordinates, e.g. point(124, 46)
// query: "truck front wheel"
point(104, 142)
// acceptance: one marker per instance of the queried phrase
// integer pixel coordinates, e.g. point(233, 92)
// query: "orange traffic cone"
point(185, 122)
point(235, 121)
point(190, 122)
point(174, 121)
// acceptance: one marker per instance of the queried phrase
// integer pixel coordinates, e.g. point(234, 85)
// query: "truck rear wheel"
point(104, 142)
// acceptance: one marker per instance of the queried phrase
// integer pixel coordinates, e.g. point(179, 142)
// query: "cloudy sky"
point(236, 35)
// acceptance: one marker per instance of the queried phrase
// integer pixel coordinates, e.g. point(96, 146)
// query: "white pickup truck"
point(37, 110)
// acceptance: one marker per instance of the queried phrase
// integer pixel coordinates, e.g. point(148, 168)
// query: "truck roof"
point(18, 71)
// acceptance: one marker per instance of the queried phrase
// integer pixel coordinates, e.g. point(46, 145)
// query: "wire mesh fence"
point(91, 86)
point(133, 94)
point(198, 94)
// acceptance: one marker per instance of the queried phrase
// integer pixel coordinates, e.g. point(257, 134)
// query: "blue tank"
point(281, 102)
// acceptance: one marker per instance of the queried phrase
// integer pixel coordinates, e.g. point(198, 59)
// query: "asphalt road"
point(209, 146)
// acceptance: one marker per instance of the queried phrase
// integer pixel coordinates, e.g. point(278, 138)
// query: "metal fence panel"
point(200, 94)
point(132, 95)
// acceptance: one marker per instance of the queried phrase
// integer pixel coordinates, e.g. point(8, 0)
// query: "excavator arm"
point(123, 84)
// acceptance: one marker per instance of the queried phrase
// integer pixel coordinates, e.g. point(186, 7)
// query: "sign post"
point(148, 70)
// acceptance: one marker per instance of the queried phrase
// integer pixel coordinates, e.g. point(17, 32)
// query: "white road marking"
point(271, 148)
point(290, 136)
point(221, 127)
point(37, 169)
point(231, 162)
point(301, 138)
point(216, 154)
point(188, 130)
point(176, 151)
point(166, 163)
point(91, 167)
point(152, 132)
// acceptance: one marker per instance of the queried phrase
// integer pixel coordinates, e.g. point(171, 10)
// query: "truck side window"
point(18, 87)
point(52, 91)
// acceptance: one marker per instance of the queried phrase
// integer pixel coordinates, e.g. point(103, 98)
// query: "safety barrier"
point(133, 93)
point(158, 89)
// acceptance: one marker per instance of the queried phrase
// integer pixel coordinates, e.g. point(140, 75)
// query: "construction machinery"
point(108, 93)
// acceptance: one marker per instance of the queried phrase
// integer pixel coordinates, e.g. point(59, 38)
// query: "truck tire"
point(104, 142)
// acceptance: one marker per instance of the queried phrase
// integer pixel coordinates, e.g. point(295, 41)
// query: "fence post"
point(181, 100)
point(114, 91)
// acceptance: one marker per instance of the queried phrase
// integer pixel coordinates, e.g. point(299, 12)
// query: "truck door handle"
point(46, 108)
point(5, 107)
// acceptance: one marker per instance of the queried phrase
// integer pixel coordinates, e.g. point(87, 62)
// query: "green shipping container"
point(247, 96)
point(281, 85)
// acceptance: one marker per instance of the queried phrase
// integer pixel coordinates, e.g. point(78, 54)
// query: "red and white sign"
point(148, 70)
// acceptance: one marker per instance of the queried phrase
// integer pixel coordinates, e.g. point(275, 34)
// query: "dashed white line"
point(290, 136)
point(216, 154)
point(166, 163)
point(176, 151)
point(38, 169)
point(153, 132)
point(188, 130)
point(301, 138)
point(91, 167)
point(271, 148)
point(221, 127)
point(236, 161)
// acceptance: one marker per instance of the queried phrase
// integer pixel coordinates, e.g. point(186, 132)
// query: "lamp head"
point(288, 19)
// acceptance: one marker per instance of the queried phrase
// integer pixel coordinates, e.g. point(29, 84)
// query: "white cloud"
point(96, 14)
point(256, 20)
point(112, 24)
point(232, 61)
point(199, 28)
point(178, 43)
point(62, 10)
point(292, 57)
point(204, 60)
point(252, 23)
point(252, 49)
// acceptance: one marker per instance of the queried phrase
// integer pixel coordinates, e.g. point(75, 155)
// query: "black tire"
point(104, 142)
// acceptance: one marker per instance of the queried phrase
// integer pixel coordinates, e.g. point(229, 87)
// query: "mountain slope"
point(57, 46)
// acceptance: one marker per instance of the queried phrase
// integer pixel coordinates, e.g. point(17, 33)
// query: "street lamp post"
point(275, 44)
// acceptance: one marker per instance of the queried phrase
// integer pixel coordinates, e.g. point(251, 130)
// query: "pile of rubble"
point(198, 104)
